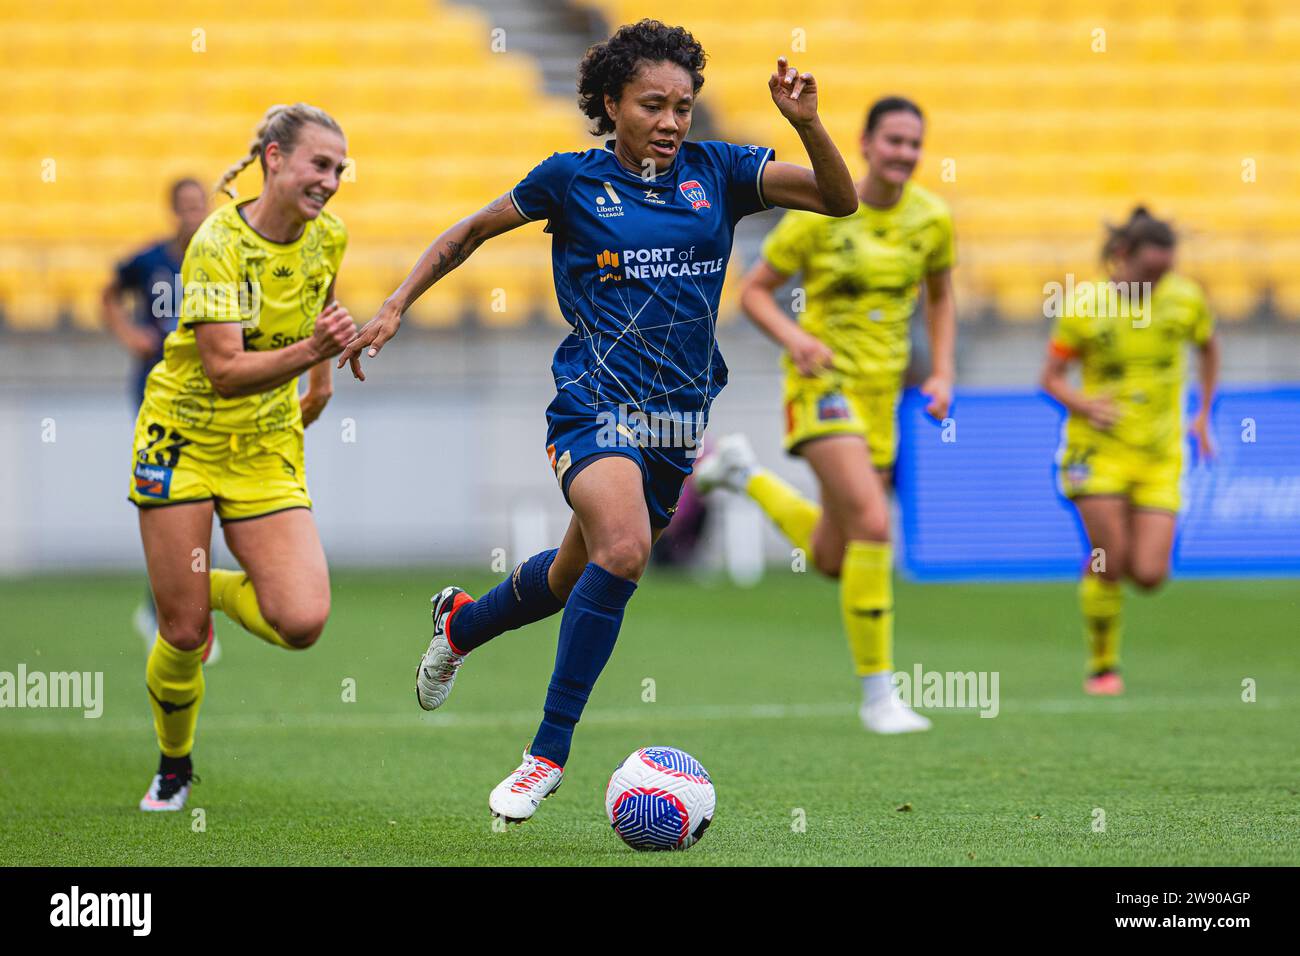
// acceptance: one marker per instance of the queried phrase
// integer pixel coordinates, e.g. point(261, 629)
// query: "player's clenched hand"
point(794, 93)
point(1204, 443)
point(312, 403)
point(372, 337)
point(811, 356)
point(334, 329)
point(143, 343)
point(1101, 413)
point(938, 388)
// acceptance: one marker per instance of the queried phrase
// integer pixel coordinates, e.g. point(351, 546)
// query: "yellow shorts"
point(1147, 480)
point(817, 407)
point(247, 476)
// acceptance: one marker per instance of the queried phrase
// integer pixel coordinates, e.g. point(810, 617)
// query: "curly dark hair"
point(608, 66)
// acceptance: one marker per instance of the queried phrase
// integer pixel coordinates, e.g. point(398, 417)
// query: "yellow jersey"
point(275, 290)
point(861, 275)
point(1133, 349)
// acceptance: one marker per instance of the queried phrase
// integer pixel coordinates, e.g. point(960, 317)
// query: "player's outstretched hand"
point(938, 388)
point(371, 337)
point(794, 93)
point(334, 329)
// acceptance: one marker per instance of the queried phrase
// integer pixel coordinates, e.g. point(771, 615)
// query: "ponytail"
point(1141, 229)
point(281, 124)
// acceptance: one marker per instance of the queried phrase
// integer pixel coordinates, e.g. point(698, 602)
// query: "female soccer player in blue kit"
point(642, 231)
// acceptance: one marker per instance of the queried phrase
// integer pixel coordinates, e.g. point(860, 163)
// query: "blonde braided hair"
point(281, 124)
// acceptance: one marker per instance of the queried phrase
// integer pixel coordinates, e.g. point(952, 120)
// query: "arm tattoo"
point(455, 254)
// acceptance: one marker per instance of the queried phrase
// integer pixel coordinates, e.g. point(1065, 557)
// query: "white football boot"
point(437, 671)
point(146, 625)
point(167, 793)
point(730, 465)
point(889, 715)
point(212, 650)
point(517, 797)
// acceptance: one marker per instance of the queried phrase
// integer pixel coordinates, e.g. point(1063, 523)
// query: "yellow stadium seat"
point(1189, 107)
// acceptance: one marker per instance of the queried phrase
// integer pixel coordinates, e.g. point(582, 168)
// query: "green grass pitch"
point(755, 683)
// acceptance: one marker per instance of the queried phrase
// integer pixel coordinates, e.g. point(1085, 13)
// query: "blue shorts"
point(577, 435)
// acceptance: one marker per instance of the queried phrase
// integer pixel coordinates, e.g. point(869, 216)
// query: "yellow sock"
point(867, 601)
point(175, 682)
point(1101, 602)
point(232, 593)
point(794, 514)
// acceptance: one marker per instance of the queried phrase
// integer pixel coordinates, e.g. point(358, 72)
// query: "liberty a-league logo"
point(833, 406)
point(609, 208)
point(1078, 466)
point(694, 192)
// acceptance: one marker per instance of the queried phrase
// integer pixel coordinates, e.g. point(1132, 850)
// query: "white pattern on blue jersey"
point(639, 266)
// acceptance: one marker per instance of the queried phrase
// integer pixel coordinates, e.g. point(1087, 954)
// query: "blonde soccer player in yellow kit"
point(221, 426)
point(1121, 462)
point(845, 360)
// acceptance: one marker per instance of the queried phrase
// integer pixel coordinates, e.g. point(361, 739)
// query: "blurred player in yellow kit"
point(221, 427)
point(845, 360)
point(1122, 459)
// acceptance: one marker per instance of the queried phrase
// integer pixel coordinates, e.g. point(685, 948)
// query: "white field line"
point(71, 721)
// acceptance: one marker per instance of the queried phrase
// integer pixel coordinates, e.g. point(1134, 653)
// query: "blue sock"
point(520, 599)
point(588, 631)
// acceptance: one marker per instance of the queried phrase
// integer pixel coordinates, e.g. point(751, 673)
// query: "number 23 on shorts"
point(153, 478)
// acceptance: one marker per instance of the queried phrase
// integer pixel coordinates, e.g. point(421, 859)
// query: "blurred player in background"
point(221, 427)
point(150, 278)
point(642, 231)
point(1122, 459)
point(844, 360)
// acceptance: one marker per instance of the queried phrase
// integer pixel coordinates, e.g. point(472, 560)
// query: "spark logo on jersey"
point(608, 260)
point(694, 192)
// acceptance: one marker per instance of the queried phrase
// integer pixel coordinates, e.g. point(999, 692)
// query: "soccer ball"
point(660, 798)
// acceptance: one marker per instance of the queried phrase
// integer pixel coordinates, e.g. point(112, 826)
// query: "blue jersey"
point(152, 275)
point(639, 265)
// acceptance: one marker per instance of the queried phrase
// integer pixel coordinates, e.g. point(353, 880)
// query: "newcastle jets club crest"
point(693, 191)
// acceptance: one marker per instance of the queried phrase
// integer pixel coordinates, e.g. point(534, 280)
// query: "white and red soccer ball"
point(660, 798)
